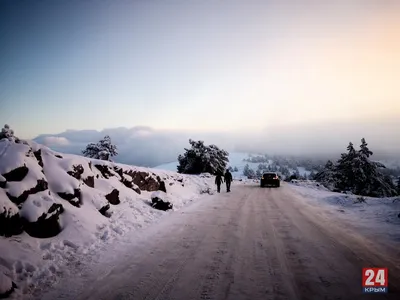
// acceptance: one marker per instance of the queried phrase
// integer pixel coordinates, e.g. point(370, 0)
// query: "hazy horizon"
point(286, 76)
point(141, 145)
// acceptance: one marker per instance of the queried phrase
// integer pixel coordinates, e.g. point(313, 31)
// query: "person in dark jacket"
point(218, 180)
point(228, 180)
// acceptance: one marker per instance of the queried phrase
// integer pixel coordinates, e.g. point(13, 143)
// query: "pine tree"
point(201, 158)
point(246, 170)
point(328, 175)
point(355, 172)
point(103, 149)
point(235, 169)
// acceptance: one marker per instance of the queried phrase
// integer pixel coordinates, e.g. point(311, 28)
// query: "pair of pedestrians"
point(219, 179)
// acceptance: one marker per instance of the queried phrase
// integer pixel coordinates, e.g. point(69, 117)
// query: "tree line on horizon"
point(354, 171)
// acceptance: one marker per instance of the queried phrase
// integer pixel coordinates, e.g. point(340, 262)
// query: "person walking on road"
point(218, 181)
point(228, 180)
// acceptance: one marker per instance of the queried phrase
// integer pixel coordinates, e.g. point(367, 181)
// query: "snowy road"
point(252, 243)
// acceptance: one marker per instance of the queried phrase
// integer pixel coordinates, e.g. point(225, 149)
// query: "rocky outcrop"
point(77, 171)
point(104, 210)
point(18, 174)
point(144, 180)
point(47, 225)
point(104, 170)
point(158, 200)
point(3, 182)
point(89, 181)
point(40, 186)
point(113, 197)
point(10, 224)
point(129, 184)
point(119, 171)
point(74, 199)
point(162, 187)
point(38, 155)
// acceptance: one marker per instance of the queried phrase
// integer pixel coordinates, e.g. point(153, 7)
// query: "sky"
point(199, 66)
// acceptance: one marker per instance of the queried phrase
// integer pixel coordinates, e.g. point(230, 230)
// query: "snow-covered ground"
point(376, 217)
point(79, 204)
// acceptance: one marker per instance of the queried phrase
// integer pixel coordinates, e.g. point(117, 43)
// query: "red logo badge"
point(375, 280)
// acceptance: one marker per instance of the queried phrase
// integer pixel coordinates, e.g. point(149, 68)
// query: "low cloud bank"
point(145, 146)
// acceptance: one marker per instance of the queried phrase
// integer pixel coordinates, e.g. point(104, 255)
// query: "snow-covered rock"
point(10, 219)
point(160, 201)
point(76, 204)
point(6, 286)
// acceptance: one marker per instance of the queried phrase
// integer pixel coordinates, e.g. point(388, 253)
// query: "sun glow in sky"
point(197, 65)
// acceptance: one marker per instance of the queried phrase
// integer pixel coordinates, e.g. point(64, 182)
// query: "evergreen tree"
point(355, 172)
point(103, 149)
point(249, 172)
point(344, 168)
point(297, 174)
point(201, 158)
point(246, 170)
point(235, 169)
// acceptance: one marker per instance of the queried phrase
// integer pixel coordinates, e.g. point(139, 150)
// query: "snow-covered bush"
point(8, 133)
point(202, 159)
point(103, 150)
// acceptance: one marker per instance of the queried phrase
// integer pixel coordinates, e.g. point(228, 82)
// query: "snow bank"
point(310, 184)
point(5, 284)
point(378, 218)
point(81, 203)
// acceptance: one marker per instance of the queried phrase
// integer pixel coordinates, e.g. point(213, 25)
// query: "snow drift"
point(55, 207)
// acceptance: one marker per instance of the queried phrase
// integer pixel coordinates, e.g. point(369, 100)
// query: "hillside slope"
point(55, 208)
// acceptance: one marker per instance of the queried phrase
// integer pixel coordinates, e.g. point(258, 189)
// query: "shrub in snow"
point(206, 190)
point(8, 133)
point(103, 149)
point(205, 175)
point(355, 172)
point(202, 159)
point(159, 201)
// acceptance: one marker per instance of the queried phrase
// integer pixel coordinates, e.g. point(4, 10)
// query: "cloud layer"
point(146, 146)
